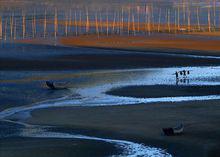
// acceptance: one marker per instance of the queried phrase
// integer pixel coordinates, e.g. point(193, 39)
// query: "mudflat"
point(143, 123)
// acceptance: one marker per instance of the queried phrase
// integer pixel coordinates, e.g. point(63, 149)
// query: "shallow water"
point(92, 93)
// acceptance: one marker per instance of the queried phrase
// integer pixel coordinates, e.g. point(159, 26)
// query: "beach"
point(127, 70)
point(80, 109)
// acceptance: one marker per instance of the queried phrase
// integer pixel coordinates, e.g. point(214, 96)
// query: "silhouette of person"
point(176, 75)
point(184, 72)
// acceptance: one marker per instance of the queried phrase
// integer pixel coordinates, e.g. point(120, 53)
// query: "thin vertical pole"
point(114, 20)
point(133, 21)
point(76, 27)
point(209, 20)
point(175, 19)
point(0, 28)
point(55, 24)
point(6, 24)
point(100, 21)
point(138, 18)
point(189, 20)
point(146, 18)
point(198, 19)
point(87, 21)
point(80, 21)
point(214, 10)
point(33, 27)
point(45, 23)
point(178, 18)
point(149, 22)
point(70, 21)
point(11, 25)
point(159, 21)
point(128, 20)
point(96, 24)
point(23, 25)
point(168, 19)
point(66, 24)
point(15, 30)
point(107, 29)
point(122, 20)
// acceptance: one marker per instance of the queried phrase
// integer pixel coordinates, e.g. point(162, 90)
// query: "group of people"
point(183, 73)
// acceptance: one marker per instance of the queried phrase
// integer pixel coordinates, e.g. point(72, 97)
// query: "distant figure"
point(188, 72)
point(181, 72)
point(184, 72)
point(176, 75)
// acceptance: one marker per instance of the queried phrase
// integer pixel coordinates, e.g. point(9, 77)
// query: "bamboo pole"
point(6, 24)
point(33, 34)
point(133, 25)
point(149, 22)
point(23, 25)
point(209, 20)
point(214, 14)
point(189, 19)
point(122, 21)
point(35, 28)
point(76, 27)
point(178, 18)
point(70, 20)
point(97, 24)
point(66, 24)
point(175, 21)
point(138, 18)
point(146, 18)
point(198, 19)
point(114, 20)
point(55, 24)
point(100, 21)
point(87, 21)
point(15, 29)
point(168, 20)
point(129, 11)
point(11, 24)
point(0, 28)
point(107, 24)
point(80, 22)
point(159, 21)
point(45, 23)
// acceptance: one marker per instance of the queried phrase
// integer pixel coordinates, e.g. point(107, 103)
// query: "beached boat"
point(173, 130)
point(56, 85)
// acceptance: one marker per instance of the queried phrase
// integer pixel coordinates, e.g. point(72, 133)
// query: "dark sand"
point(41, 147)
point(61, 58)
point(143, 123)
point(157, 91)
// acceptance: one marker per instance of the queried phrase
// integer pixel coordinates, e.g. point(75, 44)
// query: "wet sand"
point(142, 43)
point(23, 147)
point(143, 123)
point(158, 91)
point(66, 58)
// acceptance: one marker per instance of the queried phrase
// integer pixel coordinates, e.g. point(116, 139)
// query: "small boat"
point(173, 130)
point(57, 85)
